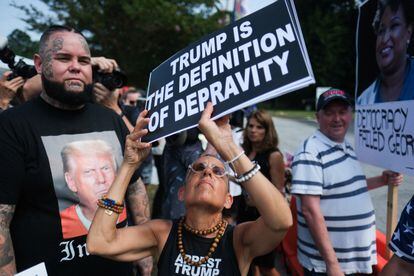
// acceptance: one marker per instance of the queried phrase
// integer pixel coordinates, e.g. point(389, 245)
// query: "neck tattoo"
point(220, 227)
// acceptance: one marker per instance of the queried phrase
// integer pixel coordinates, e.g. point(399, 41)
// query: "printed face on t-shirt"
point(83, 167)
point(90, 177)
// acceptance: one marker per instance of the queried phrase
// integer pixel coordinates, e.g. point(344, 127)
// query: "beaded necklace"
point(204, 231)
point(221, 227)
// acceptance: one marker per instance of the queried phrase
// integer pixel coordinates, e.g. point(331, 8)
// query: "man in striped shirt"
point(336, 219)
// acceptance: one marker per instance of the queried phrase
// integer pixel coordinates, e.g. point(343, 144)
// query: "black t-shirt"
point(32, 137)
point(222, 262)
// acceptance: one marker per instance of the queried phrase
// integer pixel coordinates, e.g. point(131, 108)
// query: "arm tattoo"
point(138, 202)
point(47, 56)
point(145, 266)
point(7, 263)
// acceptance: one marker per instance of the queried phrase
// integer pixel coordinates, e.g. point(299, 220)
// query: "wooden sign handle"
point(392, 209)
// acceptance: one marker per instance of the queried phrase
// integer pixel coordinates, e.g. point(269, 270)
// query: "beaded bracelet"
point(111, 208)
point(110, 204)
point(248, 175)
point(108, 208)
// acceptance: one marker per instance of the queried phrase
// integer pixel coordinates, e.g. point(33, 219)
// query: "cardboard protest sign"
point(384, 125)
point(259, 57)
point(385, 136)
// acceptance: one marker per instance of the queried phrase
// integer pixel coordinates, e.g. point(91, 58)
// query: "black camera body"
point(19, 69)
point(113, 80)
point(22, 69)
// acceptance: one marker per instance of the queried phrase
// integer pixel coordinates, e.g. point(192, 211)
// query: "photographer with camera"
point(32, 188)
point(107, 82)
point(20, 68)
point(8, 89)
point(18, 90)
point(20, 84)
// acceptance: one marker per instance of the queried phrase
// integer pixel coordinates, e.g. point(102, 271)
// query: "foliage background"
point(141, 34)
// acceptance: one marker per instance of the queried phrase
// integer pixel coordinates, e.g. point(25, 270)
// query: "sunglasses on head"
point(201, 167)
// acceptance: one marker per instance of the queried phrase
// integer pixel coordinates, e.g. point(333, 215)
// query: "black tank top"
point(250, 213)
point(222, 262)
point(262, 159)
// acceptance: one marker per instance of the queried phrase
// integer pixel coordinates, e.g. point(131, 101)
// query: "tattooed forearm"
point(138, 202)
point(7, 263)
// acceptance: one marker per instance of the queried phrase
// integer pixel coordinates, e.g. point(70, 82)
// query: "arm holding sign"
point(387, 178)
point(253, 238)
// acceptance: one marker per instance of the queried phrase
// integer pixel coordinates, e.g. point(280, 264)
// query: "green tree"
point(328, 28)
point(139, 34)
point(21, 43)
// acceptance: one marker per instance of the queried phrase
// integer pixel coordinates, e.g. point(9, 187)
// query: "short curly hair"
point(407, 6)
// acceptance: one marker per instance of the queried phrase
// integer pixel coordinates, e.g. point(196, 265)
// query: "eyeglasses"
point(201, 167)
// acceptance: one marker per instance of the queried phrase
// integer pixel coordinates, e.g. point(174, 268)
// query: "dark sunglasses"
point(201, 167)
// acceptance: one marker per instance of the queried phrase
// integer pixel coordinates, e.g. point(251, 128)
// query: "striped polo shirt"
point(331, 170)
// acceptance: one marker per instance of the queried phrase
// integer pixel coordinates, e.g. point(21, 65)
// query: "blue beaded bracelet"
point(110, 201)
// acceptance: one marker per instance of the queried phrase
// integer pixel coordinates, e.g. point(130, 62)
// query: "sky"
point(10, 17)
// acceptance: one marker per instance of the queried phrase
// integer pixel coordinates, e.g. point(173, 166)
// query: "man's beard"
point(58, 92)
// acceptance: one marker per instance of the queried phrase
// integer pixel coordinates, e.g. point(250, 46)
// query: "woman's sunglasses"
point(201, 167)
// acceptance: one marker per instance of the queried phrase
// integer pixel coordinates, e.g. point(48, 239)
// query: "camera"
point(19, 69)
point(113, 80)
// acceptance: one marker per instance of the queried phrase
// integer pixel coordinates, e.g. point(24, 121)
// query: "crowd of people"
point(74, 175)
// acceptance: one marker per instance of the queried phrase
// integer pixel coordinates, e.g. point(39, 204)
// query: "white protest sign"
point(37, 270)
point(385, 136)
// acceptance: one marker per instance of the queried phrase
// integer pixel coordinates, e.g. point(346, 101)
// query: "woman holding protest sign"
point(201, 242)
point(393, 25)
point(260, 142)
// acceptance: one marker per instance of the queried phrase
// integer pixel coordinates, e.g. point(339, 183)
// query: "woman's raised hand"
point(135, 150)
point(217, 132)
